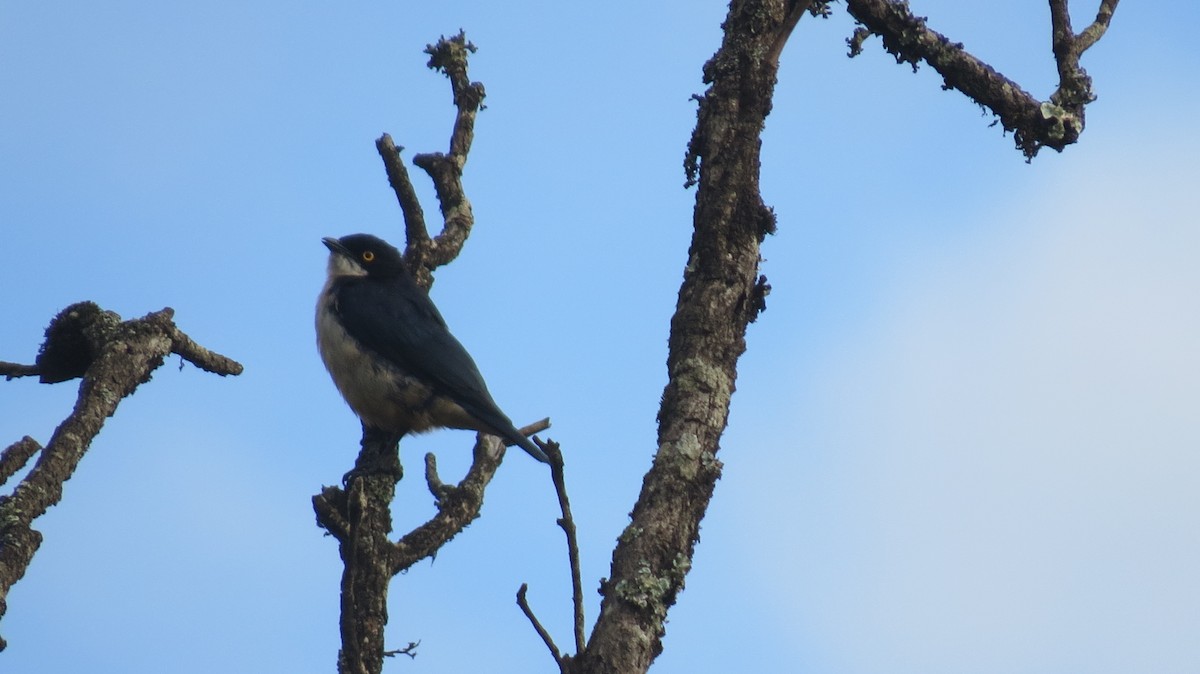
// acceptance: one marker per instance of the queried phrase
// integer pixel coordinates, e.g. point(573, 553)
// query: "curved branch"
point(1035, 124)
point(721, 294)
point(458, 505)
point(422, 253)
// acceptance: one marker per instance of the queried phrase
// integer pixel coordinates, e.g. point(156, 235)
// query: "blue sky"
point(964, 437)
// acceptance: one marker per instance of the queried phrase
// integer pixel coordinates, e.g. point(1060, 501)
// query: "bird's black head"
point(363, 255)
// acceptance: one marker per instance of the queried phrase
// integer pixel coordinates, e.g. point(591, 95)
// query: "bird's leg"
point(380, 455)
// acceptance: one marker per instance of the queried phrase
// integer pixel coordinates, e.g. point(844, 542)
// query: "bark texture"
point(721, 294)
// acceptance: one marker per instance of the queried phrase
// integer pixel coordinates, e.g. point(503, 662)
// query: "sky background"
point(965, 432)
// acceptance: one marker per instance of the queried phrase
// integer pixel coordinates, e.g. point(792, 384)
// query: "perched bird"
point(390, 353)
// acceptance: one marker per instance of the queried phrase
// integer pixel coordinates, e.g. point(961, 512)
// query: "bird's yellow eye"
point(368, 256)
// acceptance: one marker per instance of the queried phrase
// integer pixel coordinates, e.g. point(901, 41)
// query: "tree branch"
point(423, 254)
point(721, 294)
point(359, 517)
point(567, 522)
point(1055, 123)
point(458, 505)
point(415, 231)
point(1095, 31)
point(14, 370)
point(410, 650)
point(209, 361)
point(113, 358)
point(537, 625)
point(15, 456)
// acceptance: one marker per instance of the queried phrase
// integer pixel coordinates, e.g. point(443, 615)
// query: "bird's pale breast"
point(381, 394)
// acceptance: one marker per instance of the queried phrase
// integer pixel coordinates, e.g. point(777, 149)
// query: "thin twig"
point(535, 428)
point(414, 216)
point(410, 650)
point(14, 370)
point(567, 522)
point(524, 604)
point(209, 361)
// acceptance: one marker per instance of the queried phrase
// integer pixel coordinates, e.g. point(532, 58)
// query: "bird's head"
point(363, 255)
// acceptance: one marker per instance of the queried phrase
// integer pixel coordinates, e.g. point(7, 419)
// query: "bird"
point(391, 355)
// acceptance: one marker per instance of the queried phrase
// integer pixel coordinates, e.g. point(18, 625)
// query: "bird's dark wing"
point(398, 320)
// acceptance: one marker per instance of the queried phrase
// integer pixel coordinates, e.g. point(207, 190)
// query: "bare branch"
point(114, 358)
point(432, 479)
point(15, 456)
point(14, 370)
point(539, 426)
point(410, 650)
point(197, 355)
point(1095, 31)
point(423, 254)
point(450, 57)
point(414, 216)
point(1060, 20)
point(537, 625)
point(721, 293)
point(457, 506)
point(567, 522)
point(359, 517)
point(1055, 123)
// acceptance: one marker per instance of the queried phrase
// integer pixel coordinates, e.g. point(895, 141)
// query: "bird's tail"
point(532, 449)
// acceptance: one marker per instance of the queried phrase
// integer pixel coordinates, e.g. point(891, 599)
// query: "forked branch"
point(113, 357)
point(567, 523)
point(423, 253)
point(1054, 123)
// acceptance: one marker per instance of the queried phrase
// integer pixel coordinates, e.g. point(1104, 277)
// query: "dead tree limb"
point(567, 524)
point(113, 357)
point(722, 293)
point(1054, 123)
point(423, 253)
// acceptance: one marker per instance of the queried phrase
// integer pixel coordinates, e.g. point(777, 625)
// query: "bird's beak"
point(335, 246)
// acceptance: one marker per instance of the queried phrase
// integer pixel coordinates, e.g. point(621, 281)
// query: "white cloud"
point(1000, 474)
